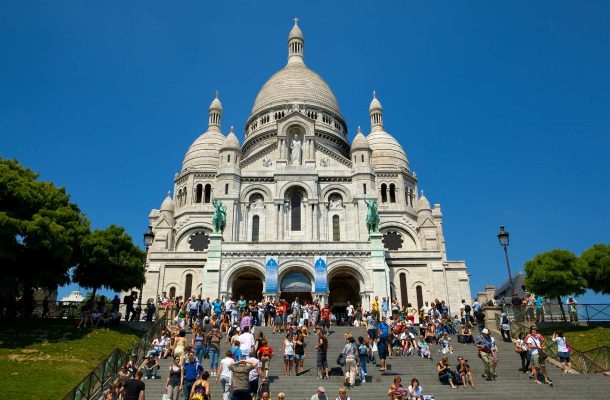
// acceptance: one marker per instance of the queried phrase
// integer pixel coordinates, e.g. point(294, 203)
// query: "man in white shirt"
point(246, 342)
point(350, 313)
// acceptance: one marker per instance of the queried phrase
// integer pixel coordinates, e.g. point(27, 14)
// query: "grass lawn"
point(44, 359)
point(584, 338)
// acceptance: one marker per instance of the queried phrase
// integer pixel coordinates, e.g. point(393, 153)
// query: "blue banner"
point(319, 265)
point(271, 266)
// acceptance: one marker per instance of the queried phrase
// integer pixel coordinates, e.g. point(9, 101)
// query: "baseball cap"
point(486, 331)
point(321, 389)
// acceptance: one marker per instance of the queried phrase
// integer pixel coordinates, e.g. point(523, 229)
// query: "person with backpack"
point(363, 357)
point(191, 370)
point(467, 315)
point(265, 353)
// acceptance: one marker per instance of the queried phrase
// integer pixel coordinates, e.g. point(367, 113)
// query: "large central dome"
point(295, 83)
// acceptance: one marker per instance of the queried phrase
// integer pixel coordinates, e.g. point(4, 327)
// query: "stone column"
point(211, 270)
point(314, 222)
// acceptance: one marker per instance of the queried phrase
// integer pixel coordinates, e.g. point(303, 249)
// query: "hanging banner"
point(319, 265)
point(271, 265)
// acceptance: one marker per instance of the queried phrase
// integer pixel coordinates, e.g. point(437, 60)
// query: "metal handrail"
point(551, 312)
point(98, 379)
point(594, 360)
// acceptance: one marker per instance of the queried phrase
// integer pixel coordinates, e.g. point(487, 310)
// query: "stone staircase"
point(510, 384)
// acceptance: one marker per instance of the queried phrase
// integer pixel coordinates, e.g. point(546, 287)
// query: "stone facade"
point(296, 189)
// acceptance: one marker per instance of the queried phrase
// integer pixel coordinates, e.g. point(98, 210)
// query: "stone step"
point(509, 380)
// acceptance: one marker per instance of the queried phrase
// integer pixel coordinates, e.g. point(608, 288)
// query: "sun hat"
point(321, 389)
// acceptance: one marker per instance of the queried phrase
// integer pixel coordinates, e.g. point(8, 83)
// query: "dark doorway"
point(343, 287)
point(249, 285)
point(290, 296)
point(296, 284)
point(188, 286)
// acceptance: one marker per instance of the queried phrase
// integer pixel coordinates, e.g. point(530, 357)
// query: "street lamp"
point(503, 238)
point(149, 238)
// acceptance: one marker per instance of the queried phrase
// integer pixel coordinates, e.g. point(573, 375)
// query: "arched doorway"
point(343, 287)
point(296, 284)
point(249, 284)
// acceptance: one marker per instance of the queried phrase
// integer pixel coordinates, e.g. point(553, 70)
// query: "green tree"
point(109, 260)
point(554, 274)
point(40, 233)
point(595, 263)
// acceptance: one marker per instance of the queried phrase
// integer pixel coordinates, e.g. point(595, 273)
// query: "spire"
point(215, 113)
point(376, 113)
point(295, 44)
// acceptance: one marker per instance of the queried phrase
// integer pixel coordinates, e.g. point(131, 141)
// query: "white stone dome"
point(387, 152)
point(204, 152)
point(295, 83)
point(422, 204)
point(231, 141)
point(168, 204)
point(360, 142)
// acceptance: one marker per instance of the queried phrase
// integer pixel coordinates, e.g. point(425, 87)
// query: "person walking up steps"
point(322, 361)
point(224, 375)
point(363, 355)
point(350, 351)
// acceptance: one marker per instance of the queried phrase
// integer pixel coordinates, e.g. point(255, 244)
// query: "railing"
point(72, 310)
point(92, 386)
point(552, 313)
point(594, 360)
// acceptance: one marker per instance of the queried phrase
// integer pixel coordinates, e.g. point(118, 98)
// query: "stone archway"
point(343, 286)
point(295, 284)
point(247, 282)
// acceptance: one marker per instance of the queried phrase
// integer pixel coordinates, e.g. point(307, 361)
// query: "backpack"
point(467, 308)
point(363, 351)
point(267, 352)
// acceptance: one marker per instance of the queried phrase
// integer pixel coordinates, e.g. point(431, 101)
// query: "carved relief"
point(267, 162)
point(324, 162)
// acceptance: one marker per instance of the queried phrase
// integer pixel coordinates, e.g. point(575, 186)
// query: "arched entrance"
point(343, 287)
point(296, 284)
point(249, 284)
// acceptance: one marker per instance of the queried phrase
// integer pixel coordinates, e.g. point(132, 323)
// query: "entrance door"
point(343, 287)
point(296, 284)
point(248, 284)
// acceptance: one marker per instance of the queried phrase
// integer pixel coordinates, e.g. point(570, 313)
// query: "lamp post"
point(503, 238)
point(149, 238)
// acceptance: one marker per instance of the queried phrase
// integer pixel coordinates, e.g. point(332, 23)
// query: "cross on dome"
point(296, 21)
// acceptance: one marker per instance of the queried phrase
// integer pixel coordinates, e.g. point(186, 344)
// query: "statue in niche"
point(335, 202)
point(257, 203)
point(295, 150)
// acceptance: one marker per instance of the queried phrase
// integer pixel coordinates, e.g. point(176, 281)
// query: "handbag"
point(519, 349)
point(341, 359)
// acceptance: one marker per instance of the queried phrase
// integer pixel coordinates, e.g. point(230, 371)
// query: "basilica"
point(295, 196)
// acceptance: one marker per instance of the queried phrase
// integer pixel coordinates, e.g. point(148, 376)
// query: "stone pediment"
point(264, 157)
point(333, 155)
point(428, 223)
point(163, 223)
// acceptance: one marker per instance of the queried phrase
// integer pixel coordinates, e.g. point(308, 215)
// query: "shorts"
point(284, 318)
point(299, 356)
point(372, 333)
point(382, 349)
point(253, 386)
point(278, 319)
point(289, 357)
point(564, 356)
point(321, 360)
point(536, 362)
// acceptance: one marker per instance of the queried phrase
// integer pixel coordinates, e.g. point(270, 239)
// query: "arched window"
point(172, 292)
point(392, 193)
point(199, 193)
point(336, 229)
point(188, 286)
point(208, 193)
point(295, 213)
point(404, 298)
point(255, 224)
point(364, 188)
point(227, 188)
point(229, 158)
point(362, 157)
point(384, 193)
point(420, 297)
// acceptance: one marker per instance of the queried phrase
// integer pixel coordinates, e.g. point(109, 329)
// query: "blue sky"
point(502, 108)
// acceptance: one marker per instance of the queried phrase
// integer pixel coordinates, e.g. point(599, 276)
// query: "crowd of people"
point(243, 373)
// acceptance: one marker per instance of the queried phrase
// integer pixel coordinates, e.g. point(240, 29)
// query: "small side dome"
point(360, 142)
point(231, 141)
point(204, 152)
point(423, 204)
point(387, 152)
point(168, 203)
